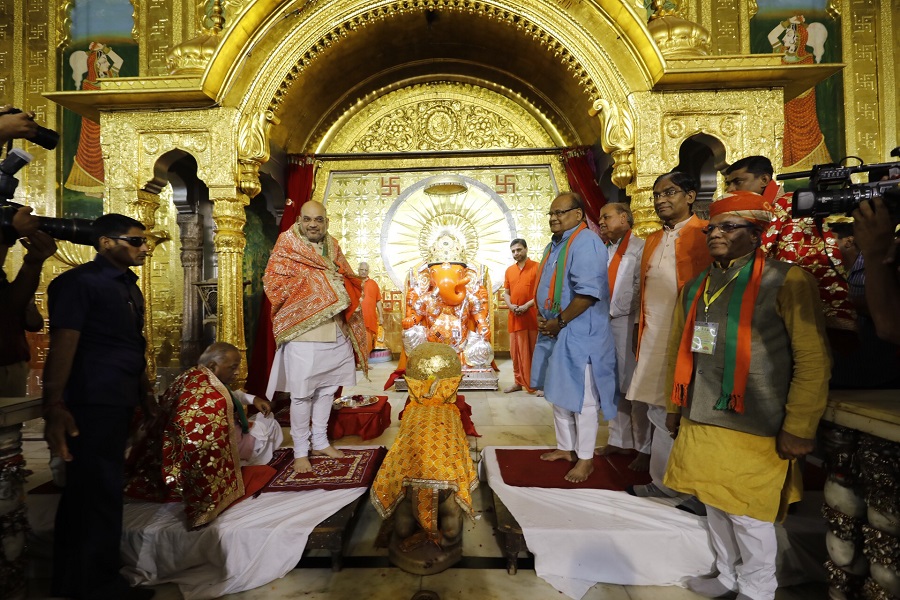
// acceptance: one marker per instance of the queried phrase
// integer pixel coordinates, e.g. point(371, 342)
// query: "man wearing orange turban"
point(748, 370)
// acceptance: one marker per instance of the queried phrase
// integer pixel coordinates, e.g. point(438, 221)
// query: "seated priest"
point(427, 477)
point(193, 450)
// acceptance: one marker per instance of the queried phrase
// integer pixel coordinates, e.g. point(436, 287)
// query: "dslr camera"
point(831, 190)
point(77, 231)
point(45, 137)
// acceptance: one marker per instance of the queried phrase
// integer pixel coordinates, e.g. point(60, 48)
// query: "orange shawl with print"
point(307, 289)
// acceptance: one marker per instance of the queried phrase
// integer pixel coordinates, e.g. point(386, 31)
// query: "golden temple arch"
point(267, 78)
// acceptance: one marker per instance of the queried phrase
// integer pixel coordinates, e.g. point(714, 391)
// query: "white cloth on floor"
point(249, 545)
point(584, 536)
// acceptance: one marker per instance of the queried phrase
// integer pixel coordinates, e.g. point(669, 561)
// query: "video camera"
point(831, 191)
point(77, 231)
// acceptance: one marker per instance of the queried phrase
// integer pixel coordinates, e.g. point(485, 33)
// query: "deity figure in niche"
point(804, 144)
point(88, 174)
point(448, 302)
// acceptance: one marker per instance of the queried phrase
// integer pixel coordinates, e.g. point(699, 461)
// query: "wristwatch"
point(562, 322)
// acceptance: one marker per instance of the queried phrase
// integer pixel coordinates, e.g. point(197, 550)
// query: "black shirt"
point(107, 307)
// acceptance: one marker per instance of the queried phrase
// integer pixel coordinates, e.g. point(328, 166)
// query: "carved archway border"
point(321, 25)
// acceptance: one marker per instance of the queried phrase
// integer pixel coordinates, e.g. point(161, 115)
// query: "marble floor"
point(516, 419)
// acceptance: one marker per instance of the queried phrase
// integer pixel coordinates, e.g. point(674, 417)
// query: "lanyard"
point(706, 298)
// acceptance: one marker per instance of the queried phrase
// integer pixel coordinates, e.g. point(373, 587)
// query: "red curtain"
point(579, 163)
point(301, 175)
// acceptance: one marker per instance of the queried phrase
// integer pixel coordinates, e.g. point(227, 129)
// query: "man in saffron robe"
point(748, 369)
point(318, 328)
point(630, 430)
point(519, 286)
point(194, 450)
point(575, 357)
point(672, 256)
point(372, 307)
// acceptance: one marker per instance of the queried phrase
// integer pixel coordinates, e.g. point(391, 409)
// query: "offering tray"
point(354, 401)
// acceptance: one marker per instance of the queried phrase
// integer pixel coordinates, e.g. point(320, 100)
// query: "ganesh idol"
point(448, 302)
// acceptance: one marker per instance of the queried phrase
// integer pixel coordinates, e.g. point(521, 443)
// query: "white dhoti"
point(578, 431)
point(630, 428)
point(312, 372)
point(746, 549)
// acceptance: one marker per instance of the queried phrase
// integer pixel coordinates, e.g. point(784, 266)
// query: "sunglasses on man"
point(133, 240)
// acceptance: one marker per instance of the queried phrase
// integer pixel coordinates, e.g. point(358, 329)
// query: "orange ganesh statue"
point(448, 302)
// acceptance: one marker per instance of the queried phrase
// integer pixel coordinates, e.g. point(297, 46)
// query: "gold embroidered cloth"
point(190, 452)
point(429, 455)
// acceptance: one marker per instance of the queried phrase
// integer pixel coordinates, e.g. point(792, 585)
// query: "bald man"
point(317, 326)
point(373, 312)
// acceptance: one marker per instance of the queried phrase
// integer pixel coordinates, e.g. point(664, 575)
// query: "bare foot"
point(568, 455)
point(329, 451)
point(641, 463)
point(610, 449)
point(539, 393)
point(581, 471)
point(512, 388)
point(302, 465)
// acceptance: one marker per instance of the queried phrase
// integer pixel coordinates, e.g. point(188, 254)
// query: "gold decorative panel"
point(741, 123)
point(167, 284)
point(359, 202)
point(442, 116)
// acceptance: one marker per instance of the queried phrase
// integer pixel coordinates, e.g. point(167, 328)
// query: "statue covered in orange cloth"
point(427, 478)
point(448, 302)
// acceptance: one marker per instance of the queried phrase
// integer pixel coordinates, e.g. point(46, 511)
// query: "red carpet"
point(524, 468)
point(356, 469)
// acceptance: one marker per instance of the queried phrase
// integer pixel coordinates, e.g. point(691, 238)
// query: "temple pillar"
point(191, 227)
point(229, 218)
point(646, 220)
point(144, 210)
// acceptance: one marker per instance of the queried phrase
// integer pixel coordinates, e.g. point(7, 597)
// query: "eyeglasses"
point(666, 194)
point(726, 227)
point(132, 240)
point(559, 213)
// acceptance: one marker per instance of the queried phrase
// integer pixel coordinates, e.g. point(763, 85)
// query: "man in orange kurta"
point(519, 287)
point(372, 310)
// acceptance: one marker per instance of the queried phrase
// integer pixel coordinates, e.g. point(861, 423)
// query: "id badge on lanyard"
point(704, 338)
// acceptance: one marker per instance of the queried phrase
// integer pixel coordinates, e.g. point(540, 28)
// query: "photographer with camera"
point(18, 313)
point(17, 125)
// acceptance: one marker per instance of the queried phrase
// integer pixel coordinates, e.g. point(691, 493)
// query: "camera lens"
point(45, 138)
point(77, 231)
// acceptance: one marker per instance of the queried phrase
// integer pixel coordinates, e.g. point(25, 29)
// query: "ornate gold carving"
point(253, 148)
point(357, 199)
point(735, 123)
point(440, 115)
point(229, 218)
point(64, 23)
point(677, 37)
point(374, 14)
point(617, 139)
point(191, 57)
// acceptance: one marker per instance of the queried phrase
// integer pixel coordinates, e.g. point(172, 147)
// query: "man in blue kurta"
point(575, 357)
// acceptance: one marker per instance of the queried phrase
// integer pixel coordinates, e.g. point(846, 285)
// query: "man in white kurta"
point(630, 429)
point(312, 289)
point(671, 256)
